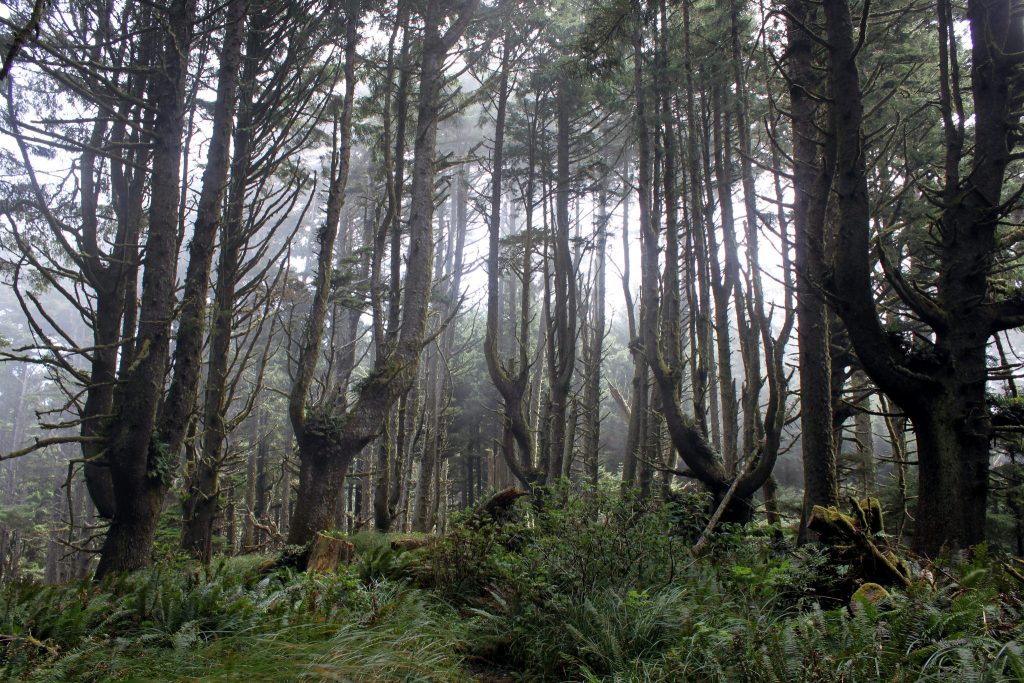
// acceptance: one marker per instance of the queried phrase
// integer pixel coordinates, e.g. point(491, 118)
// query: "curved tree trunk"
point(511, 383)
point(328, 441)
point(663, 355)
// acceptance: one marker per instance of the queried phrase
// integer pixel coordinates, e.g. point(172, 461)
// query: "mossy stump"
point(856, 539)
point(322, 555)
point(870, 594)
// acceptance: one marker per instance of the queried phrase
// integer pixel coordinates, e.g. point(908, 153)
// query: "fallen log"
point(406, 543)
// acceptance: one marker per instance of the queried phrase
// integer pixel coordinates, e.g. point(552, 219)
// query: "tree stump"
point(327, 553)
point(498, 506)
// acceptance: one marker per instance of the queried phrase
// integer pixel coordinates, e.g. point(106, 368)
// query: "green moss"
point(161, 463)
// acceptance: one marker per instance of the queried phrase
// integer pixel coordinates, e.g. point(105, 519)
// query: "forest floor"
point(598, 590)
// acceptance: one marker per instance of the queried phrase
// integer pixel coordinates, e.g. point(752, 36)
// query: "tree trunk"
point(387, 453)
point(723, 283)
point(321, 475)
point(315, 434)
point(141, 465)
point(638, 384)
point(200, 502)
point(663, 357)
point(591, 408)
point(129, 540)
point(421, 504)
point(864, 434)
point(821, 486)
point(115, 282)
point(511, 382)
point(181, 396)
point(562, 335)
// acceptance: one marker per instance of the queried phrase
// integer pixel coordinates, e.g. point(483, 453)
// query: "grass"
point(179, 622)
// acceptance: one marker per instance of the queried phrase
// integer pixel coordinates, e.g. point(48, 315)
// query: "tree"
point(511, 381)
point(561, 323)
point(661, 345)
point(322, 463)
point(596, 329)
point(940, 380)
point(142, 443)
point(328, 440)
point(188, 346)
point(268, 129)
point(123, 441)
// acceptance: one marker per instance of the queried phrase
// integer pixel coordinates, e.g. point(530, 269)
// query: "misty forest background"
point(595, 260)
point(280, 267)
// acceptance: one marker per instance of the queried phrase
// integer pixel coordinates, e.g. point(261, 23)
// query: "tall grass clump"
point(402, 636)
point(232, 621)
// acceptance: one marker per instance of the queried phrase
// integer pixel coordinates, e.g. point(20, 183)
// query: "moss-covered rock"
point(870, 593)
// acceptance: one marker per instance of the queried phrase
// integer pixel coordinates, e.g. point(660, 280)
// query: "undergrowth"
point(591, 589)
